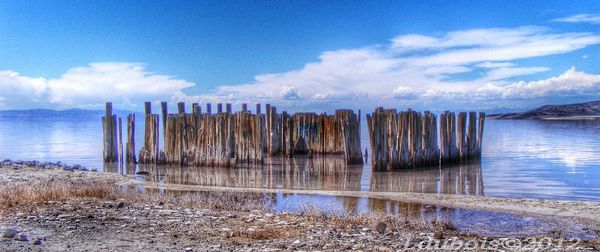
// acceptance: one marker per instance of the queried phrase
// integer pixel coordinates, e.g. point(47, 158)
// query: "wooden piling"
point(196, 109)
point(150, 152)
point(208, 109)
point(480, 131)
point(130, 147)
point(244, 107)
point(219, 108)
point(229, 139)
point(109, 133)
point(228, 108)
point(164, 113)
point(410, 139)
point(120, 134)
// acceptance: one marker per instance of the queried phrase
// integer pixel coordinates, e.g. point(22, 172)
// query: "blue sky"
point(317, 55)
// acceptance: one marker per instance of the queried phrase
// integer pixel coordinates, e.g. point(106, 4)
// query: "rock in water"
point(380, 227)
point(9, 233)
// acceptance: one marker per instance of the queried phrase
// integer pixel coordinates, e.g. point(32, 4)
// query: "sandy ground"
point(145, 222)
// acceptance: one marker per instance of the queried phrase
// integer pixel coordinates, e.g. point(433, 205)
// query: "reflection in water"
point(299, 173)
point(520, 158)
point(458, 179)
point(318, 173)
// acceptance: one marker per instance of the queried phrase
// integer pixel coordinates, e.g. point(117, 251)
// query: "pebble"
point(9, 233)
point(120, 204)
point(22, 237)
point(380, 227)
point(37, 242)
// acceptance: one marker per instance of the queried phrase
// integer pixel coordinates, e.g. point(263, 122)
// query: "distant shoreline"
point(577, 111)
point(556, 118)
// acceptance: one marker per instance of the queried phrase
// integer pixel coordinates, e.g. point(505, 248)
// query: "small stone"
point(121, 204)
point(22, 237)
point(37, 242)
point(380, 227)
point(9, 233)
point(188, 250)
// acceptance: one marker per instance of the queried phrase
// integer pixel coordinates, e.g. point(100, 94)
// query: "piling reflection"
point(321, 173)
point(465, 179)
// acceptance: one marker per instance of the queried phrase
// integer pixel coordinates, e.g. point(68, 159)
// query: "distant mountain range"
point(586, 110)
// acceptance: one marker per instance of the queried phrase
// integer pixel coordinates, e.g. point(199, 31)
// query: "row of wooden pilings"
point(227, 139)
point(409, 139)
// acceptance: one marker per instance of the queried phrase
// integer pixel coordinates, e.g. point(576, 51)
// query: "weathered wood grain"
point(409, 139)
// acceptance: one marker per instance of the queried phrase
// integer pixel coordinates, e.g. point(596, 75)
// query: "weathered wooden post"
point(244, 107)
point(130, 148)
point(208, 109)
point(472, 135)
point(109, 133)
point(164, 110)
point(480, 132)
point(181, 108)
point(120, 157)
point(258, 109)
point(219, 108)
point(461, 144)
point(150, 152)
point(196, 109)
point(228, 108)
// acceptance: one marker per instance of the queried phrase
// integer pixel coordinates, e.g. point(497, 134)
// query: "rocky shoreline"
point(45, 207)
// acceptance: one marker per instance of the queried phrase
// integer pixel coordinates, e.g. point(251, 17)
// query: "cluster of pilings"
point(229, 138)
point(409, 139)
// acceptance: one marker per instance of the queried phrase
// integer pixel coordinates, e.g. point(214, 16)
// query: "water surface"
point(520, 158)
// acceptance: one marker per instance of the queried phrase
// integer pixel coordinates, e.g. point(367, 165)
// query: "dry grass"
point(394, 222)
point(267, 233)
point(30, 194)
point(23, 196)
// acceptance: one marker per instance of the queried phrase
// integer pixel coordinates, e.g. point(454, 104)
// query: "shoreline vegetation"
point(50, 207)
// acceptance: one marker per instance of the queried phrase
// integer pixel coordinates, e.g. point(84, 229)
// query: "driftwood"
point(410, 139)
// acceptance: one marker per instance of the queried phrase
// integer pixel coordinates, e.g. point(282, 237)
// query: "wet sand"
point(580, 211)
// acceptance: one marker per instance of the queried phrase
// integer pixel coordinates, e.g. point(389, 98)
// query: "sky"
point(300, 55)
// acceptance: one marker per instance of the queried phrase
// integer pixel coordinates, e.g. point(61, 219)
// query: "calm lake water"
point(521, 158)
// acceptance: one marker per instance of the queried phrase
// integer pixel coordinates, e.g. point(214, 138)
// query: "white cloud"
point(126, 84)
point(414, 69)
point(580, 18)
point(570, 83)
point(289, 93)
point(404, 93)
point(501, 73)
point(454, 70)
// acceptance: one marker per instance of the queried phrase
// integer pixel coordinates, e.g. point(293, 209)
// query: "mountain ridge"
point(574, 111)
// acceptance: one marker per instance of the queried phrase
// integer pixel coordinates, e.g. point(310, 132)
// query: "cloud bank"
point(475, 68)
point(580, 18)
point(126, 84)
